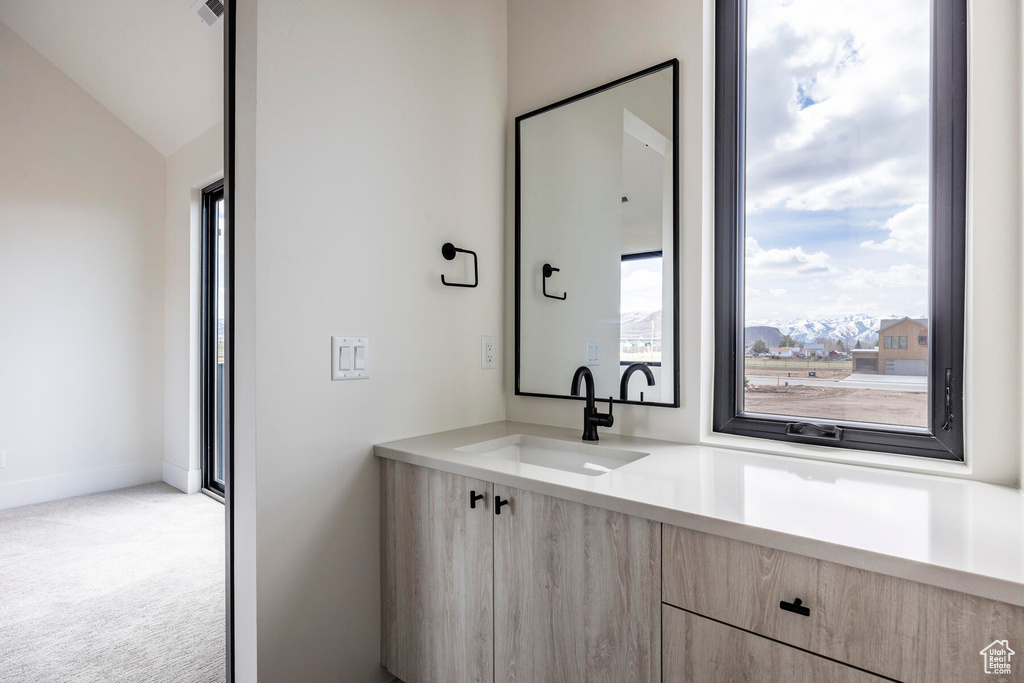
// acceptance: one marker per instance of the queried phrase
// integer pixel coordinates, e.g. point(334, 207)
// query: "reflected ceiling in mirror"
point(597, 208)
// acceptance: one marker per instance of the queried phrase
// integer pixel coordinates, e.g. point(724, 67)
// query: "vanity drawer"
point(893, 627)
point(699, 649)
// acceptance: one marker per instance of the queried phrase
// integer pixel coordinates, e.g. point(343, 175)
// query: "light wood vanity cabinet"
point(547, 590)
point(543, 589)
point(436, 555)
point(892, 627)
point(699, 649)
point(577, 592)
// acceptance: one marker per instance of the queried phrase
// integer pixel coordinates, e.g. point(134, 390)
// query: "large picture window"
point(840, 189)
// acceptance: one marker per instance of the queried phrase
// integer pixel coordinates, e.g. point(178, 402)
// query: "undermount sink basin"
point(568, 456)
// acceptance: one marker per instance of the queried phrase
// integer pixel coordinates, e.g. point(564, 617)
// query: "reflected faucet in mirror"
point(591, 418)
point(624, 382)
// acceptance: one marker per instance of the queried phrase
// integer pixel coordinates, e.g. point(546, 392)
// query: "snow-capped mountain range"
point(857, 327)
point(640, 324)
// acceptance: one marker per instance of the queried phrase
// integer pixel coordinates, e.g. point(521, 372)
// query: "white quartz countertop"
point(961, 535)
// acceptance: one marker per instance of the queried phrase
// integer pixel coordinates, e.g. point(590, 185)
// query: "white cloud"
point(903, 275)
point(753, 293)
point(641, 291)
point(837, 104)
point(908, 232)
point(791, 260)
point(778, 292)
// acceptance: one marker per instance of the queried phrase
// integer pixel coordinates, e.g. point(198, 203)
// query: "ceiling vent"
point(210, 11)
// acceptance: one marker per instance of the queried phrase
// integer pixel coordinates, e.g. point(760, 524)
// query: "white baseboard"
point(42, 489)
point(187, 481)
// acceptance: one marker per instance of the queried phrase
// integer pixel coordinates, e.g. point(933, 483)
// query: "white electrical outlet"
point(488, 352)
point(3, 459)
point(593, 352)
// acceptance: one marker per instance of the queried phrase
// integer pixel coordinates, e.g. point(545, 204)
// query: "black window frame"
point(212, 194)
point(944, 438)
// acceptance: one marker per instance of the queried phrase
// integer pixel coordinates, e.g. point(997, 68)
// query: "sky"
point(641, 286)
point(837, 158)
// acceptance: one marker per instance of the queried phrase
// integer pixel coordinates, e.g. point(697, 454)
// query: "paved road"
point(888, 383)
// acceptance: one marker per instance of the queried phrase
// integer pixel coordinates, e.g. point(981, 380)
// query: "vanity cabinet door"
point(699, 649)
point(577, 592)
point(437, 575)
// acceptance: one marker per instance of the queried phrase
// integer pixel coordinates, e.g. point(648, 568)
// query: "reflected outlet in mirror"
point(597, 270)
point(567, 456)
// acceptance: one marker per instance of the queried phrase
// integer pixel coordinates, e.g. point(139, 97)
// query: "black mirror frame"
point(670, 64)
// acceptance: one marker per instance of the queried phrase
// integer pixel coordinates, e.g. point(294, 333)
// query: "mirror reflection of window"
point(641, 306)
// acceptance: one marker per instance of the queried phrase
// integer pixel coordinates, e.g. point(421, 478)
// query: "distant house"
point(903, 346)
point(834, 355)
point(816, 350)
point(784, 351)
point(902, 349)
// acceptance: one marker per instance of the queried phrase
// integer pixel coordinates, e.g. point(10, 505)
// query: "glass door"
point(214, 294)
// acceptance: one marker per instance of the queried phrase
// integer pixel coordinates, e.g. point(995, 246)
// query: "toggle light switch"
point(350, 358)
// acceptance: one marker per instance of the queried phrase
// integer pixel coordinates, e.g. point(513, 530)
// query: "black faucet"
point(591, 418)
point(624, 383)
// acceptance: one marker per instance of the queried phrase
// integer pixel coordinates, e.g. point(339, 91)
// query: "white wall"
point(379, 135)
point(189, 170)
point(558, 49)
point(242, 493)
point(81, 289)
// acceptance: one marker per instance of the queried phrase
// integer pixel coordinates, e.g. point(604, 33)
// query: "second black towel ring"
point(548, 270)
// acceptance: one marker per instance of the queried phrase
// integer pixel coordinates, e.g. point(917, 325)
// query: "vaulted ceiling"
point(152, 63)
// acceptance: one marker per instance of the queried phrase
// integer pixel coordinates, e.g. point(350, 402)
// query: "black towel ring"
point(448, 250)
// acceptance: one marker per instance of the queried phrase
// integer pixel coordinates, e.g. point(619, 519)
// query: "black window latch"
point(815, 430)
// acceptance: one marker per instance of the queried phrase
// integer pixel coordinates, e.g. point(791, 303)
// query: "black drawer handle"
point(474, 497)
point(796, 607)
point(498, 504)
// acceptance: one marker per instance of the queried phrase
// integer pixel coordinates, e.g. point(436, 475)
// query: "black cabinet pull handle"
point(474, 497)
point(498, 504)
point(796, 607)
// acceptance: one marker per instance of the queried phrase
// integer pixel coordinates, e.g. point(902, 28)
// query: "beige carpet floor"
point(126, 585)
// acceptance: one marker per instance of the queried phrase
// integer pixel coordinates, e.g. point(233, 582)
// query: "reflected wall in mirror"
point(597, 271)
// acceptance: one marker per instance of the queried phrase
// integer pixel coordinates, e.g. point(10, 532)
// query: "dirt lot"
point(769, 367)
point(834, 403)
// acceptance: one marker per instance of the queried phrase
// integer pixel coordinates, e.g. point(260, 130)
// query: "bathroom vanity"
point(515, 552)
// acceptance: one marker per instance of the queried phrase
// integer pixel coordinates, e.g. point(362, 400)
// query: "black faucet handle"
point(605, 419)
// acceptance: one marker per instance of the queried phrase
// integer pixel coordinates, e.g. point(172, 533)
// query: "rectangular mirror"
point(597, 232)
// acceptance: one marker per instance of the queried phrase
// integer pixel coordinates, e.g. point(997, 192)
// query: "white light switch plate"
point(593, 352)
point(350, 358)
point(488, 352)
